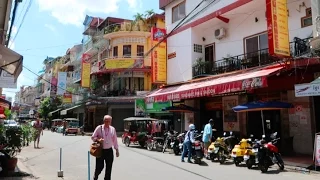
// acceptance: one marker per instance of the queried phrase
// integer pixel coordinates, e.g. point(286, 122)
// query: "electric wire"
point(22, 21)
point(14, 13)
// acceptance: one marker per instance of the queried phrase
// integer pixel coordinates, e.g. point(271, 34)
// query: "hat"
point(211, 121)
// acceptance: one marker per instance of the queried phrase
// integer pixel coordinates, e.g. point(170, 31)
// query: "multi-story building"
point(222, 55)
point(120, 73)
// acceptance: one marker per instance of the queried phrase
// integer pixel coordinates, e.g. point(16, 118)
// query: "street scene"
point(155, 89)
point(134, 163)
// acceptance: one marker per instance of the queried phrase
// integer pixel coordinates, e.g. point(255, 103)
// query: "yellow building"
point(124, 58)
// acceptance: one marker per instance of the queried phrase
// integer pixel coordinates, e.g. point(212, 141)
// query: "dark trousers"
point(106, 157)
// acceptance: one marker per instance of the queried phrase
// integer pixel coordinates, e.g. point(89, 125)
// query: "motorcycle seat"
point(158, 138)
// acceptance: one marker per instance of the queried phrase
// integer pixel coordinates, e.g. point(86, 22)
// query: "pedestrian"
point(187, 143)
point(107, 136)
point(39, 131)
point(207, 136)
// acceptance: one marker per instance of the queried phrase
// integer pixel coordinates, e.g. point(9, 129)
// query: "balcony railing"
point(126, 26)
point(298, 48)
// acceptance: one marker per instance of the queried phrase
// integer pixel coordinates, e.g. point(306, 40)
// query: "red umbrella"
point(2, 116)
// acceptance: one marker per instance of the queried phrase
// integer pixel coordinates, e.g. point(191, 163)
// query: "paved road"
point(133, 163)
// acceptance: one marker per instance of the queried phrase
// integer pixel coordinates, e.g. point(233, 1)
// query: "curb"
point(301, 170)
point(21, 168)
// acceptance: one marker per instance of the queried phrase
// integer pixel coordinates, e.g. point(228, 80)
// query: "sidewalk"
point(21, 173)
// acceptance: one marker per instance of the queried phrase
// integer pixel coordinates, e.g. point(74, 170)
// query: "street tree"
point(48, 105)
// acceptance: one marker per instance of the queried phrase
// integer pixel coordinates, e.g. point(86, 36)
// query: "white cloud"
point(135, 5)
point(73, 11)
point(50, 27)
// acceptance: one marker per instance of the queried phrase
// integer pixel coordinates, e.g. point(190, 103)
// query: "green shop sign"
point(140, 107)
point(157, 106)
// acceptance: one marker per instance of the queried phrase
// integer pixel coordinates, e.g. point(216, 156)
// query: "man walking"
point(187, 143)
point(107, 136)
point(39, 130)
point(207, 136)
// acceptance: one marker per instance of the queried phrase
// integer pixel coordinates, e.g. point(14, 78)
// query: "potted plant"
point(200, 66)
point(13, 146)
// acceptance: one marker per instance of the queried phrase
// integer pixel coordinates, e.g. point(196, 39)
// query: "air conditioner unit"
point(220, 33)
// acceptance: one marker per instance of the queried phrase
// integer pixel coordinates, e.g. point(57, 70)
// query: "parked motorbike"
point(268, 154)
point(197, 148)
point(154, 143)
point(82, 130)
point(170, 137)
point(239, 150)
point(224, 150)
point(178, 144)
point(251, 155)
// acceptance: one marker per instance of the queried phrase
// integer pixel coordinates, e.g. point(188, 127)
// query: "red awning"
point(220, 85)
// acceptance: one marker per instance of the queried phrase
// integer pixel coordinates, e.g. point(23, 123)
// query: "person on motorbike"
point(187, 143)
point(207, 136)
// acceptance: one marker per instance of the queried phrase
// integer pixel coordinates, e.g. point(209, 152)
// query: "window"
point(256, 48)
point(126, 51)
point(307, 20)
point(115, 51)
point(197, 48)
point(104, 54)
point(140, 50)
point(179, 12)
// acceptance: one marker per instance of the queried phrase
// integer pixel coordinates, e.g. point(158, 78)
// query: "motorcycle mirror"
point(224, 134)
point(231, 133)
point(263, 136)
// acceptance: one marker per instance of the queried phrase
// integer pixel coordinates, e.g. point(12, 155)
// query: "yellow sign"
point(159, 63)
point(119, 63)
point(67, 98)
point(278, 33)
point(85, 75)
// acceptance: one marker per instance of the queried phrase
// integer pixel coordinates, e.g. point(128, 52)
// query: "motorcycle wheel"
point(281, 166)
point(142, 143)
point(236, 162)
point(149, 146)
point(176, 151)
point(127, 142)
point(263, 167)
point(221, 157)
point(249, 164)
point(164, 147)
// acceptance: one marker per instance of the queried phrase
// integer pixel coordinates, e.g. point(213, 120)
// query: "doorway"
point(316, 103)
point(271, 119)
point(209, 54)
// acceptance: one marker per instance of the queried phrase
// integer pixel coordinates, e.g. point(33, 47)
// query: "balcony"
point(89, 48)
point(126, 29)
point(298, 48)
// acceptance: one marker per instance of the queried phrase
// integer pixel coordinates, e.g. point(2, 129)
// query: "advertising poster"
point(278, 33)
point(62, 83)
point(159, 56)
point(140, 107)
point(85, 71)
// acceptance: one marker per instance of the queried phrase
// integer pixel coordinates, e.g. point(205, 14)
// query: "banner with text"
point(54, 84)
point(278, 33)
point(7, 80)
point(85, 71)
point(67, 98)
point(62, 83)
point(123, 63)
point(159, 56)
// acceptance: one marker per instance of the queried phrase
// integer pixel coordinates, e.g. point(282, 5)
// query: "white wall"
point(179, 68)
point(190, 5)
point(242, 24)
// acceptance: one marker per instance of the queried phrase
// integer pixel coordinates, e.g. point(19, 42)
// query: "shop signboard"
point(67, 98)
point(159, 56)
point(209, 88)
point(85, 71)
point(157, 106)
point(316, 152)
point(277, 22)
point(126, 63)
point(140, 107)
point(310, 89)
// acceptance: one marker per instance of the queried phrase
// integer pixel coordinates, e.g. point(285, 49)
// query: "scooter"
point(251, 155)
point(169, 140)
point(269, 155)
point(239, 150)
point(197, 149)
point(180, 145)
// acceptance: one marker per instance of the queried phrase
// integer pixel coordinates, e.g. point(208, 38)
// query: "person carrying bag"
point(96, 147)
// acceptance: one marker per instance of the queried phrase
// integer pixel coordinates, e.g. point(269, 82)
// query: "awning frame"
point(65, 111)
point(50, 113)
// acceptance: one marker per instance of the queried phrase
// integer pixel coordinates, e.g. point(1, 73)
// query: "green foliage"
point(13, 141)
point(28, 134)
point(49, 104)
point(7, 113)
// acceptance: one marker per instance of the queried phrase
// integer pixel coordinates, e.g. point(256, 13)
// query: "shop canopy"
point(180, 108)
point(10, 61)
point(64, 112)
point(262, 105)
point(248, 80)
point(50, 113)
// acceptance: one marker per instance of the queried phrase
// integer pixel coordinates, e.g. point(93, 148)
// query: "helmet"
point(192, 127)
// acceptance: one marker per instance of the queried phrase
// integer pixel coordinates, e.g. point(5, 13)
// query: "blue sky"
point(50, 27)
